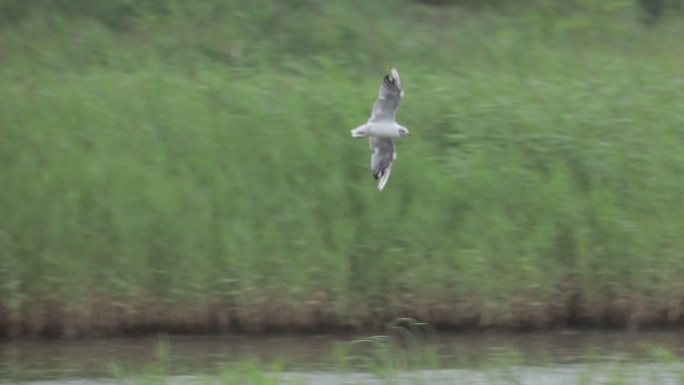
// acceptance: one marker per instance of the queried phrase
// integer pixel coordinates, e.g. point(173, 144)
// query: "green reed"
point(189, 172)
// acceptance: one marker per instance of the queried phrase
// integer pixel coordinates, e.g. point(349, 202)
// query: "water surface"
point(463, 355)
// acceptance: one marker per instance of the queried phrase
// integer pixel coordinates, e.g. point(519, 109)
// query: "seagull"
point(382, 128)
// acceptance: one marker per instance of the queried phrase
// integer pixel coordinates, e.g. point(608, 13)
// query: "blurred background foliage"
point(178, 165)
point(117, 13)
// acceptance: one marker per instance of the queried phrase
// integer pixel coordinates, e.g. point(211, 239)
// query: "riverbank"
point(397, 354)
point(192, 173)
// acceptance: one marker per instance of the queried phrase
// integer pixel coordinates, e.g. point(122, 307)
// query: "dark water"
point(64, 362)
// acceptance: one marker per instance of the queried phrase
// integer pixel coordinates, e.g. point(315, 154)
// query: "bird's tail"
point(360, 131)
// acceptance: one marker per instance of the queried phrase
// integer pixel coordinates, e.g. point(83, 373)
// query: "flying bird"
point(381, 129)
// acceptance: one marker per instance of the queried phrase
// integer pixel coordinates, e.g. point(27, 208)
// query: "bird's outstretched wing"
point(385, 108)
point(382, 159)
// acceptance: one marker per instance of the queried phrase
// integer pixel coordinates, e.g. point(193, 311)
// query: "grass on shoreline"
point(148, 185)
point(408, 352)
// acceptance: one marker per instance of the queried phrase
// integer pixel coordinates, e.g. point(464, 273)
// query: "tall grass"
point(195, 171)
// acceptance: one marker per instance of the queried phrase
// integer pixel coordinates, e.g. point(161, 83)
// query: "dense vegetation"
point(188, 166)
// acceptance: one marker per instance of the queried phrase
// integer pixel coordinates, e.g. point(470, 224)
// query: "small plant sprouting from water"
point(155, 373)
point(12, 368)
point(408, 346)
point(504, 366)
point(250, 372)
point(661, 354)
point(162, 354)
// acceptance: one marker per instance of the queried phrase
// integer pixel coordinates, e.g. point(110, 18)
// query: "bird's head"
point(403, 131)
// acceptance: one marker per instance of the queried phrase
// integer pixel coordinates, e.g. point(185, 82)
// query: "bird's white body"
point(378, 130)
